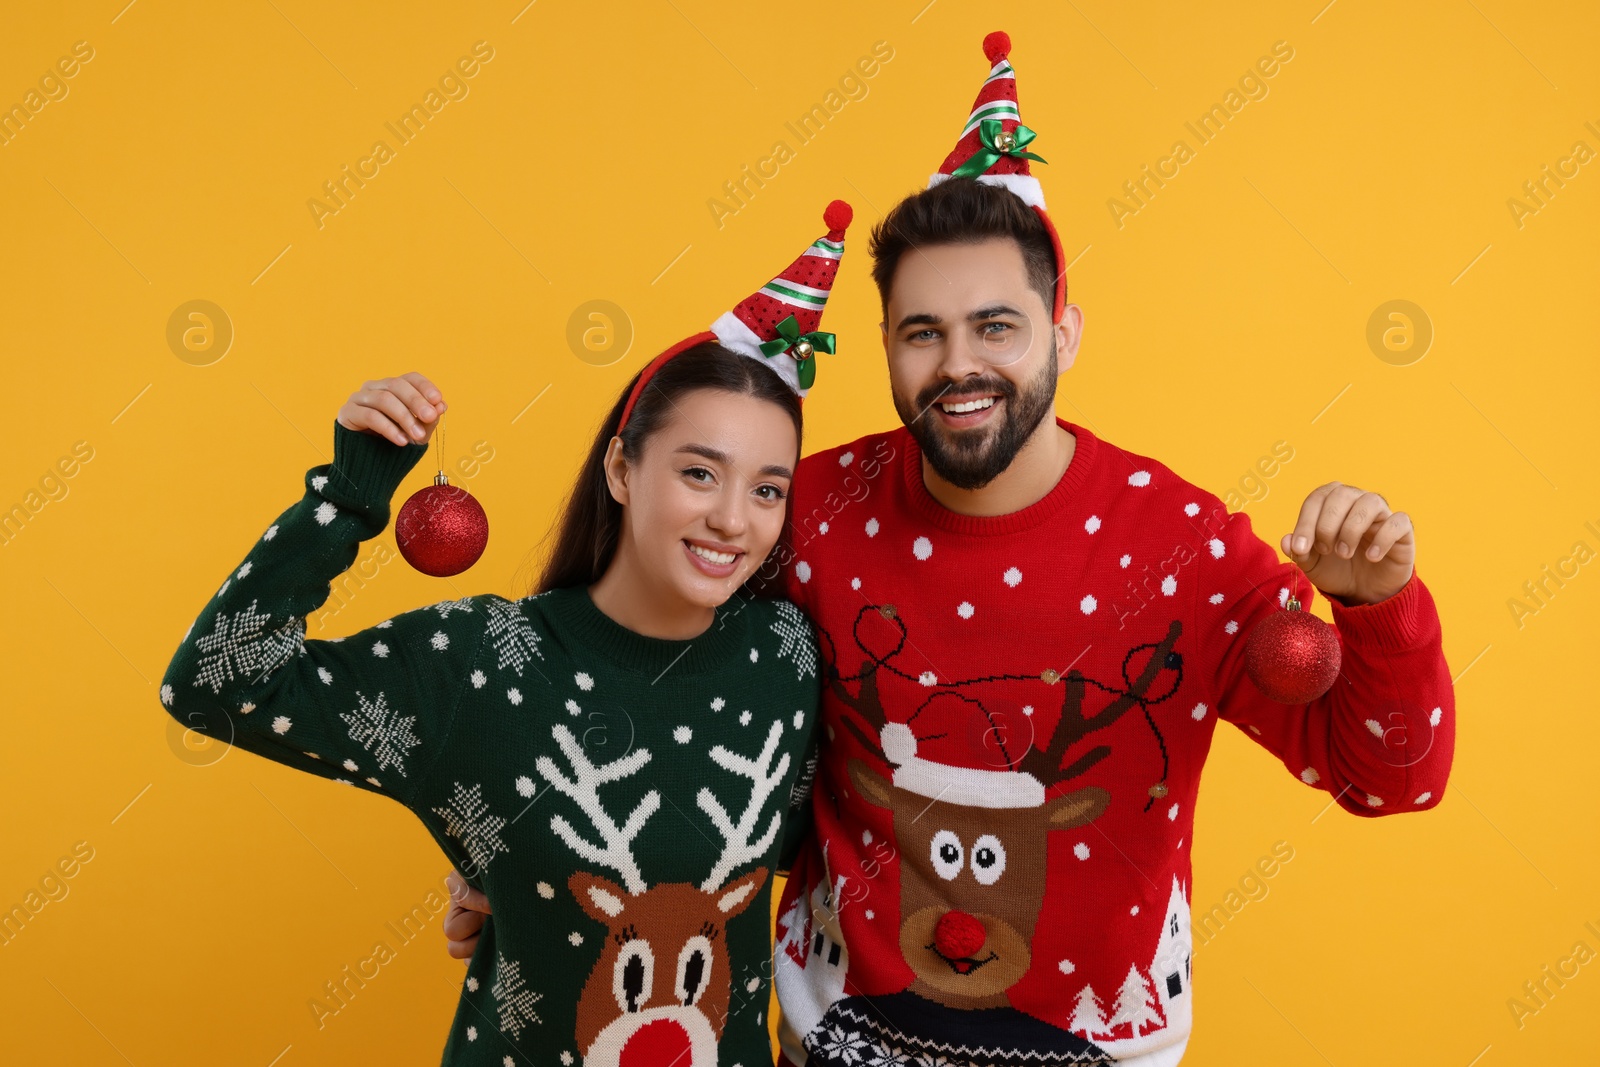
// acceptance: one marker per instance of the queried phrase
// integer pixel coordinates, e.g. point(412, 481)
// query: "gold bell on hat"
point(802, 350)
point(1005, 140)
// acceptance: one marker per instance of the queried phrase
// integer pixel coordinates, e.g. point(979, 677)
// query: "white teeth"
point(970, 405)
point(713, 557)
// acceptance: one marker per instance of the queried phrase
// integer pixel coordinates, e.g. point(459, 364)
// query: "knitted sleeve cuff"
point(367, 469)
point(1403, 621)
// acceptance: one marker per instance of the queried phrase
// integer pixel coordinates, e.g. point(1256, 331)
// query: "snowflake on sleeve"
point(467, 819)
point(239, 645)
point(513, 997)
point(795, 640)
point(516, 642)
point(382, 731)
point(445, 607)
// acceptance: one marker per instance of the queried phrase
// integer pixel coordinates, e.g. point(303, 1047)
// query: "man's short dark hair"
point(964, 211)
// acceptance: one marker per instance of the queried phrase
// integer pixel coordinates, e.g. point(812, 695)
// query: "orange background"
point(1229, 313)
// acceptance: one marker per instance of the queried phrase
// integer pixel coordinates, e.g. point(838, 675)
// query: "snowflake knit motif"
point(516, 642)
point(796, 644)
point(240, 646)
point(467, 819)
point(513, 997)
point(382, 731)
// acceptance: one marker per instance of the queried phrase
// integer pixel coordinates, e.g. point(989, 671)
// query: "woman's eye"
point(697, 472)
point(770, 492)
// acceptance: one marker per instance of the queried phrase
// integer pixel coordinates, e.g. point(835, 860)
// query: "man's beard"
point(969, 459)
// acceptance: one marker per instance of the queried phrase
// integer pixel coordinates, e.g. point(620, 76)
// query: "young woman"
point(612, 759)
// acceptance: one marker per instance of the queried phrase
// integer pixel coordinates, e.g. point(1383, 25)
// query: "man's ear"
point(1069, 332)
point(883, 335)
point(616, 467)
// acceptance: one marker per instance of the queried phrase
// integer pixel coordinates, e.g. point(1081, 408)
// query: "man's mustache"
point(953, 393)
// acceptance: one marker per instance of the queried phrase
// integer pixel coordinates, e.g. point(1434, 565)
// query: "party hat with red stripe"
point(993, 147)
point(779, 323)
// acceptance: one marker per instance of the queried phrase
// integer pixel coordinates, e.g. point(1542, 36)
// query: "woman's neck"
point(628, 596)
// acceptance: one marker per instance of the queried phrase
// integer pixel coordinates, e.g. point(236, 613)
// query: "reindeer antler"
point(615, 850)
point(1045, 764)
point(737, 847)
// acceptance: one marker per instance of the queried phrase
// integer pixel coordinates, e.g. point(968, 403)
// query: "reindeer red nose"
point(657, 1044)
point(958, 935)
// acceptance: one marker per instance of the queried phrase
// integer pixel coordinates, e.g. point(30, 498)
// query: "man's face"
point(973, 356)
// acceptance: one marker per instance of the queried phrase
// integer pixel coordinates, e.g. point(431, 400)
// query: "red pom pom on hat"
point(837, 215)
point(997, 46)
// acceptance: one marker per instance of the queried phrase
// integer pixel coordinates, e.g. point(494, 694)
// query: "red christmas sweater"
point(1016, 712)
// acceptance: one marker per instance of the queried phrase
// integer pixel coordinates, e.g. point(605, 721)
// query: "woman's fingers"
point(403, 409)
point(420, 396)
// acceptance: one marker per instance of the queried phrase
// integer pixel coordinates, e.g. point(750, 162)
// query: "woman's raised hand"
point(404, 409)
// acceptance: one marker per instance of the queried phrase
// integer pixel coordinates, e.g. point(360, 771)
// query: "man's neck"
point(1032, 474)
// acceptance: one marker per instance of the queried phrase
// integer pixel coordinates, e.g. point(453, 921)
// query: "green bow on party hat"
point(996, 143)
point(802, 346)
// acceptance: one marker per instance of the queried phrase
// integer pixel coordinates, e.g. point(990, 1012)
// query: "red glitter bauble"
point(442, 529)
point(1292, 656)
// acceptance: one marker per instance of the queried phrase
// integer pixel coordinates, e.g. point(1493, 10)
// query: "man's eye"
point(923, 336)
point(996, 327)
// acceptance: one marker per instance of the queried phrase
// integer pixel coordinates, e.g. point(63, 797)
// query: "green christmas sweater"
point(622, 800)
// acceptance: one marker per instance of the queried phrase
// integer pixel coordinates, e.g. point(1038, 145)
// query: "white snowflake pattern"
point(467, 819)
point(445, 607)
point(513, 997)
point(241, 646)
point(516, 643)
point(382, 731)
point(795, 640)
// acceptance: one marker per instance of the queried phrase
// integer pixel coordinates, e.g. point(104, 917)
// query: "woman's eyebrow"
point(716, 455)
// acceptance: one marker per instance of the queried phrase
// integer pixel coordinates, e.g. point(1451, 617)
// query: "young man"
point(1029, 635)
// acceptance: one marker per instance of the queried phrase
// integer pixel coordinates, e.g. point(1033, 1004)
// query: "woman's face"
point(707, 499)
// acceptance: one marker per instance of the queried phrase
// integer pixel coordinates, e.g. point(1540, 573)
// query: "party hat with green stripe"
point(778, 323)
point(993, 146)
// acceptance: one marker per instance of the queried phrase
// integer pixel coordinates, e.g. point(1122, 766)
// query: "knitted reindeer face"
point(973, 842)
point(661, 986)
point(971, 879)
point(659, 992)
